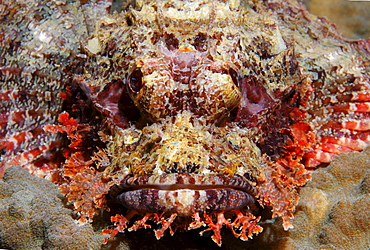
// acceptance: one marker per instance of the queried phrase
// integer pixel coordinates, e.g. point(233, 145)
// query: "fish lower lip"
point(174, 187)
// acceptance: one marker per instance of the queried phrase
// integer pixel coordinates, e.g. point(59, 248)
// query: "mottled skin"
point(188, 108)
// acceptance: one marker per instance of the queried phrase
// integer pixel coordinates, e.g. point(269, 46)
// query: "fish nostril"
point(201, 42)
point(234, 76)
point(171, 41)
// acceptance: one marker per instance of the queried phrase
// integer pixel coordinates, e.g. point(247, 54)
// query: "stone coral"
point(333, 212)
point(32, 216)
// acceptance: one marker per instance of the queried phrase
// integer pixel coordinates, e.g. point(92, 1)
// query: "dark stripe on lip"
point(185, 186)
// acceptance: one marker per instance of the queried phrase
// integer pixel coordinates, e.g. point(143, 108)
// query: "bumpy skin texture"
point(37, 40)
point(180, 108)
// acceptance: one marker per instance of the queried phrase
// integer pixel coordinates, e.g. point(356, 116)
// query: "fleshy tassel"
point(166, 223)
point(120, 224)
point(245, 223)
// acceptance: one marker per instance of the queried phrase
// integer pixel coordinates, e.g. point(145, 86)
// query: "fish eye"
point(135, 80)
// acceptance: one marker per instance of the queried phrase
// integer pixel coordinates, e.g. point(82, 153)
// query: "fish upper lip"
point(187, 181)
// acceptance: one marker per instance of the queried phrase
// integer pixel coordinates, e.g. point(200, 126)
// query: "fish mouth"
point(185, 194)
